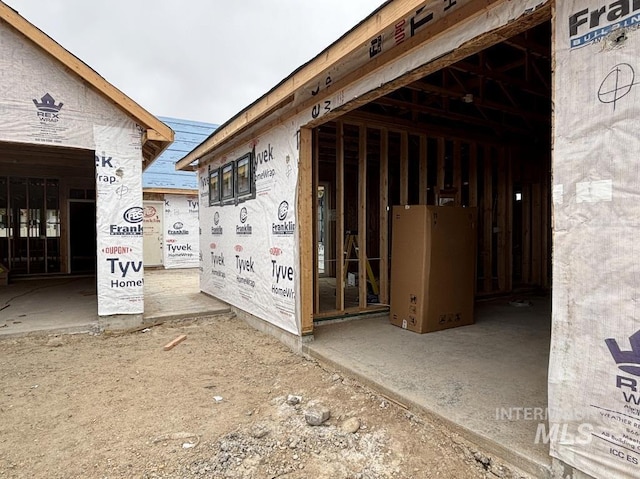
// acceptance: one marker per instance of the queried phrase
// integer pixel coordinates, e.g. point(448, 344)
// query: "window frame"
point(249, 192)
point(214, 199)
point(225, 199)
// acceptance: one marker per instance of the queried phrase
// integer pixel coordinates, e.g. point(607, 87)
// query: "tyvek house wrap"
point(181, 238)
point(594, 372)
point(249, 250)
point(42, 103)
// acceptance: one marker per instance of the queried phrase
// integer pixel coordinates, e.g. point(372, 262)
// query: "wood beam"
point(457, 171)
point(473, 174)
point(487, 221)
point(316, 259)
point(362, 218)
point(424, 184)
point(305, 229)
point(494, 125)
point(404, 168)
point(340, 216)
point(384, 216)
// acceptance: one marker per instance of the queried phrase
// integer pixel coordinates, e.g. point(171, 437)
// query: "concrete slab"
point(69, 304)
point(479, 379)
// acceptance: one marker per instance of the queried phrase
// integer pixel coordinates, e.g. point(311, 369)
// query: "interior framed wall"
point(477, 134)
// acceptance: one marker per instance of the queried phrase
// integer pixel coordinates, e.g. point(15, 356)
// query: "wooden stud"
point(457, 171)
point(509, 219)
point(172, 344)
point(526, 233)
point(384, 216)
point(536, 233)
point(501, 221)
point(340, 216)
point(362, 217)
point(473, 174)
point(316, 260)
point(305, 229)
point(441, 167)
point(424, 184)
point(487, 252)
point(404, 168)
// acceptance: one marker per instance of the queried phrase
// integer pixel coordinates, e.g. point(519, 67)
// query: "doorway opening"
point(82, 236)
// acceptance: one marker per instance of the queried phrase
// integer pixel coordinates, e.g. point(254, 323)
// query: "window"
point(214, 187)
point(227, 182)
point(233, 182)
point(244, 176)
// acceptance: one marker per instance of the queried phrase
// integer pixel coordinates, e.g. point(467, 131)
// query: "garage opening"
point(475, 133)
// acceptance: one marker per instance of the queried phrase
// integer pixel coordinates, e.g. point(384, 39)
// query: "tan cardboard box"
point(433, 257)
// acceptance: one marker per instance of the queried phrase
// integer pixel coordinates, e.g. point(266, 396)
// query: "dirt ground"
point(221, 404)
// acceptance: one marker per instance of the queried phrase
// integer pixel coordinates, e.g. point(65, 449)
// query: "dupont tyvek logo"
point(283, 227)
point(178, 229)
point(591, 25)
point(216, 230)
point(48, 111)
point(244, 228)
point(122, 270)
point(627, 361)
point(135, 214)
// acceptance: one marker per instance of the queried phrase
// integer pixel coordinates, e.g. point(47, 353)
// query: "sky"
point(202, 60)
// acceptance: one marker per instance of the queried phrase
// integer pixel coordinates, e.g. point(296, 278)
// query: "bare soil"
point(221, 404)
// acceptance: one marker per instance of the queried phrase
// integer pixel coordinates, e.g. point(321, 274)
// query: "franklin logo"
point(178, 226)
point(586, 26)
point(627, 361)
point(47, 104)
point(283, 209)
point(283, 227)
point(244, 228)
point(134, 214)
point(216, 218)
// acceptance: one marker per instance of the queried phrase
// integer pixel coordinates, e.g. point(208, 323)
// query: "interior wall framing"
point(485, 144)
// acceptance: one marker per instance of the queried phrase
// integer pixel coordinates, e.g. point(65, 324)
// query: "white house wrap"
point(594, 375)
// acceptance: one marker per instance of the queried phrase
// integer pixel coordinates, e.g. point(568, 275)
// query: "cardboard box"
point(433, 257)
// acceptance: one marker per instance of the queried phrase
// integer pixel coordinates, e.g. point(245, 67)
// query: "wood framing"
point(305, 224)
point(487, 248)
point(316, 269)
point(384, 216)
point(362, 217)
point(404, 168)
point(423, 181)
point(340, 232)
